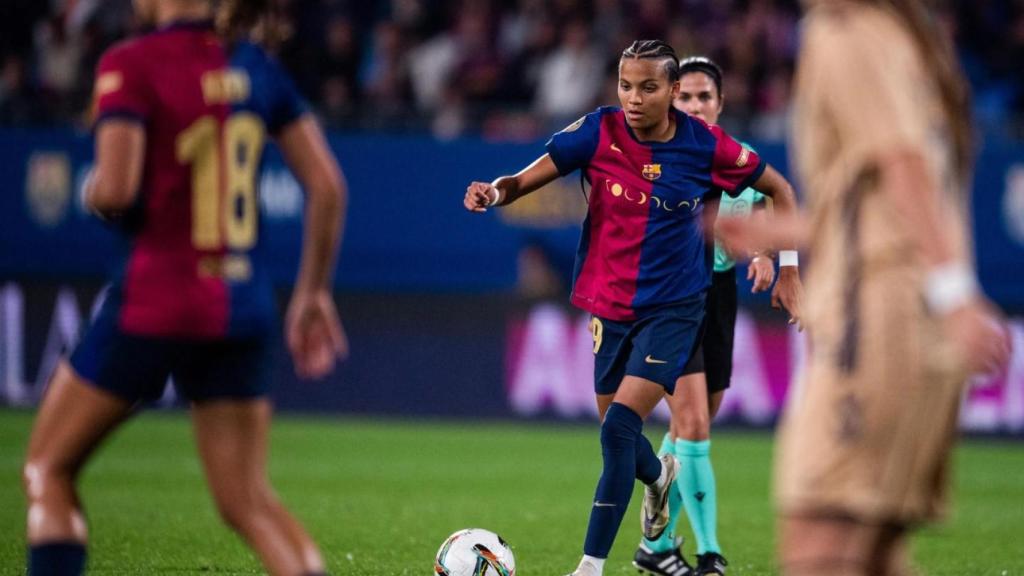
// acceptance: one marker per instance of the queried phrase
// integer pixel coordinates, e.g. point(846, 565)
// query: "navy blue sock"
point(56, 559)
point(619, 433)
point(648, 465)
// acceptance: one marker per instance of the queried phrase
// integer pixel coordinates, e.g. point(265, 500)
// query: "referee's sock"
point(696, 481)
point(668, 446)
point(65, 558)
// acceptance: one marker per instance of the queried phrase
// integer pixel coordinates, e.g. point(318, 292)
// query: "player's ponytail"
point(655, 49)
point(941, 61)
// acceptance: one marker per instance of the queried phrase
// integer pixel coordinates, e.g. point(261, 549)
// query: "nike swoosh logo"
point(650, 360)
point(604, 505)
point(616, 148)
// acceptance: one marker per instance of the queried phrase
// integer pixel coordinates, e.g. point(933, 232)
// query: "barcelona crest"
point(652, 171)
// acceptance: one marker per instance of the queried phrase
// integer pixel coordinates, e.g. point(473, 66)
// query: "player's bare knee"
point(692, 424)
point(40, 475)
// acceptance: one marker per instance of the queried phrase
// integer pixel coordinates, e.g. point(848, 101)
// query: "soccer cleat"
point(585, 569)
point(670, 563)
point(655, 509)
point(711, 564)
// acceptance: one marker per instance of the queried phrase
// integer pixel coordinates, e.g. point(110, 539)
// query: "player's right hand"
point(479, 196)
point(315, 336)
point(979, 333)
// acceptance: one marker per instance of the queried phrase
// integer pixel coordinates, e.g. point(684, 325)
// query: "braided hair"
point(654, 49)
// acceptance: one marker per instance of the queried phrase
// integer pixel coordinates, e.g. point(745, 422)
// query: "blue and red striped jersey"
point(643, 241)
point(193, 266)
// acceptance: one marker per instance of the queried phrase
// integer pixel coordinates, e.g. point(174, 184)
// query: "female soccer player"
point(183, 116)
point(641, 268)
point(700, 95)
point(894, 314)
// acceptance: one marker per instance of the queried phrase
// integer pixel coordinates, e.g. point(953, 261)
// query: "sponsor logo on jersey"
point(637, 197)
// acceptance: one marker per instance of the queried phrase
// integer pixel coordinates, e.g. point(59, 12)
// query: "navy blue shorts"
point(655, 346)
point(136, 368)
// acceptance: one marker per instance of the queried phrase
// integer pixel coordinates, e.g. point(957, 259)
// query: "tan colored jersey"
point(855, 439)
point(862, 93)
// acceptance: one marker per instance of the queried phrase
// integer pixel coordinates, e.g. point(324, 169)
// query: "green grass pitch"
point(380, 496)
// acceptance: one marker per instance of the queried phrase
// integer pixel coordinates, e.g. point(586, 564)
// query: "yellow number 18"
point(228, 218)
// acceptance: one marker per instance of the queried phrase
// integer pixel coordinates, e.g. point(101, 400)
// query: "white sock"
point(661, 478)
point(591, 566)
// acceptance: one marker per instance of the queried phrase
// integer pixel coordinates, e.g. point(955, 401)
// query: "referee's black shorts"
point(714, 355)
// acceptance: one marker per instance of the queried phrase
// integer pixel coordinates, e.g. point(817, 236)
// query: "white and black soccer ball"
point(475, 552)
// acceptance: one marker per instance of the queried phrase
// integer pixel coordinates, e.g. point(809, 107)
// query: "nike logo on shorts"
point(650, 360)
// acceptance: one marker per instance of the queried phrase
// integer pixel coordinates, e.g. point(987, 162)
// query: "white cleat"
point(585, 569)
point(655, 509)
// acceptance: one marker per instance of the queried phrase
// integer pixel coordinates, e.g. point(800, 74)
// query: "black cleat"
point(711, 564)
point(671, 563)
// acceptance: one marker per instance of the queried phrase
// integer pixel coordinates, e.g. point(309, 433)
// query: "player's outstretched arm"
point(507, 189)
point(120, 153)
point(315, 336)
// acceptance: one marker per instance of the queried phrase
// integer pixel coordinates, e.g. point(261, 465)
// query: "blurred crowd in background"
point(506, 70)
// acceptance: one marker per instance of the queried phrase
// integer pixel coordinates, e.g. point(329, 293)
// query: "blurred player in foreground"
point(896, 321)
point(183, 117)
point(710, 368)
point(642, 268)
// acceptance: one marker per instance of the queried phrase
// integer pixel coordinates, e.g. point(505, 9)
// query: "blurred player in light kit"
point(896, 322)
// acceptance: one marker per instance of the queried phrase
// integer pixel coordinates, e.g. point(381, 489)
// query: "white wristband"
point(497, 196)
point(949, 286)
point(788, 258)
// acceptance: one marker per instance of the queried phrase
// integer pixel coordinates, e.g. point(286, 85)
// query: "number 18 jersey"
point(192, 269)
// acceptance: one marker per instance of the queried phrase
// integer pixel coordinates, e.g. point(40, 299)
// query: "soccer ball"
point(475, 552)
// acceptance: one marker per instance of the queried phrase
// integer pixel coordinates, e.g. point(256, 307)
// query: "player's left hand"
point(762, 271)
point(315, 336)
point(789, 294)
